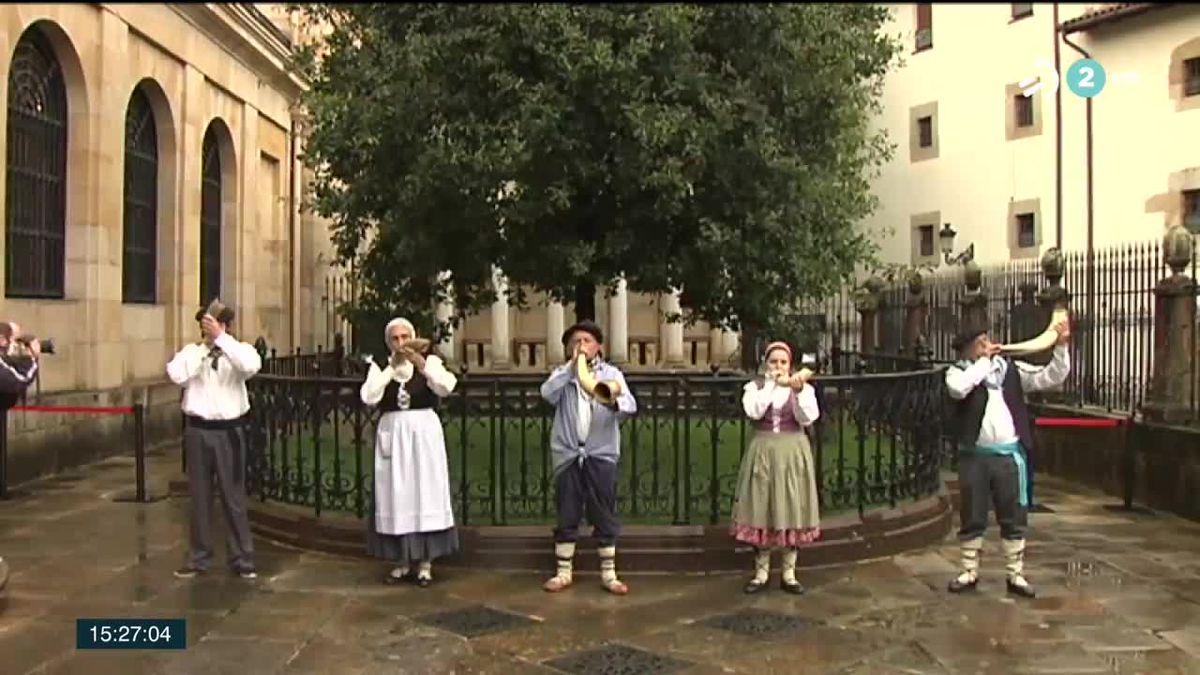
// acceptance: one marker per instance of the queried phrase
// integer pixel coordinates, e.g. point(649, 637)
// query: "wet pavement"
point(1118, 593)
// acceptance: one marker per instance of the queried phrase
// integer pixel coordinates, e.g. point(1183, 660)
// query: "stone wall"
point(41, 443)
point(1165, 460)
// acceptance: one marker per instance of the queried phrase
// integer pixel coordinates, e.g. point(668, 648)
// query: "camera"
point(20, 346)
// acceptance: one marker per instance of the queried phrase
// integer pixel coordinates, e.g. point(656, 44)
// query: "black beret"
point(588, 326)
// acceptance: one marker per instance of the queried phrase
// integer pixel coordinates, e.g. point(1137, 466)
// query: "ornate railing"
point(878, 443)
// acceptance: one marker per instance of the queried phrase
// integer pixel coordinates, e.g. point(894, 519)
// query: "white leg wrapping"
point(971, 552)
point(1014, 560)
point(789, 565)
point(762, 565)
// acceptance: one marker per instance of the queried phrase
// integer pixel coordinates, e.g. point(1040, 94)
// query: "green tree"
point(724, 150)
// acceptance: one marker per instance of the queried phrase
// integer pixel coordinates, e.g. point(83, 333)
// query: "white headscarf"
point(398, 321)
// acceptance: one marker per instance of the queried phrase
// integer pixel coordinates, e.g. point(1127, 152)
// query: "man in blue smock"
point(585, 448)
point(994, 431)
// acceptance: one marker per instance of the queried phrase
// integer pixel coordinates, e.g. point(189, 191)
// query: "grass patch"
point(671, 467)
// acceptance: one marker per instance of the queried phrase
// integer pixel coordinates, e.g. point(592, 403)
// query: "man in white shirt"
point(213, 374)
point(994, 431)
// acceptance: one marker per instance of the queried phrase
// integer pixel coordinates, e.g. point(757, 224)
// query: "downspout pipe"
point(1090, 273)
point(1058, 138)
point(291, 253)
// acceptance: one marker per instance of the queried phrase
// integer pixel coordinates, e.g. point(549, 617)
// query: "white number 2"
point(1086, 80)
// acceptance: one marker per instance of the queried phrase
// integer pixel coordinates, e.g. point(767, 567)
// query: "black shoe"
point(424, 582)
point(795, 588)
point(753, 586)
point(187, 572)
point(1023, 590)
point(957, 586)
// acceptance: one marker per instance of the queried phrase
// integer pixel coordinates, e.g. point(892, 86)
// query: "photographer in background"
point(18, 363)
point(18, 369)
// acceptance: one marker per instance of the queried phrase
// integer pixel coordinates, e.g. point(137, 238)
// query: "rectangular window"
point(1020, 10)
point(1191, 210)
point(1023, 107)
point(924, 26)
point(926, 246)
point(1026, 233)
point(925, 131)
point(1191, 77)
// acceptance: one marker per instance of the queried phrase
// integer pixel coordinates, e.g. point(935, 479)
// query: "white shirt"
point(441, 381)
point(998, 427)
point(583, 423)
point(771, 398)
point(215, 394)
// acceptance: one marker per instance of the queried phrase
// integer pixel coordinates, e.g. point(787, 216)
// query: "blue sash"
point(1013, 450)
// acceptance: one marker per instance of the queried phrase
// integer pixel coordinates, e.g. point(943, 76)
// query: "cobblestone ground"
point(1118, 594)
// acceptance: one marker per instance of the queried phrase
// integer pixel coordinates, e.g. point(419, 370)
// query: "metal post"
point(139, 448)
point(4, 453)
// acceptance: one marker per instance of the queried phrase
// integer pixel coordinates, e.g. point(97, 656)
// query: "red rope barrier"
point(1077, 422)
point(110, 410)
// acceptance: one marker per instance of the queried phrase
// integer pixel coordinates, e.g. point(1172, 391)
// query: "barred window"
point(139, 247)
point(210, 217)
point(36, 180)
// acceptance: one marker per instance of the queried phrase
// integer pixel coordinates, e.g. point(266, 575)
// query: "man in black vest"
point(993, 431)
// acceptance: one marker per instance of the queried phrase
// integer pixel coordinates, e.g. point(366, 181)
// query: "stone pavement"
point(1118, 594)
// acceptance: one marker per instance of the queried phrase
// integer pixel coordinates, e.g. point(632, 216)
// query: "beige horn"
point(214, 308)
point(605, 392)
point(1046, 340)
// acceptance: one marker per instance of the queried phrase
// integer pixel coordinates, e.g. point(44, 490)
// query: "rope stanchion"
point(138, 412)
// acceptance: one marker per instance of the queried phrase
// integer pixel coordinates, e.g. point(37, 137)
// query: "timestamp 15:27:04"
point(131, 634)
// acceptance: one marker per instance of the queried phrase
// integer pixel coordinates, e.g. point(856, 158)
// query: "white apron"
point(412, 480)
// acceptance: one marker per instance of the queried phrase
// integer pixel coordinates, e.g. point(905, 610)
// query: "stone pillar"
point(447, 346)
point(617, 348)
point(554, 331)
point(916, 315)
point(716, 346)
point(1048, 299)
point(1169, 397)
point(501, 358)
point(730, 346)
point(1025, 319)
point(973, 303)
point(866, 302)
point(670, 333)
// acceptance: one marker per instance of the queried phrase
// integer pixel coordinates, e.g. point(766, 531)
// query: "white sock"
point(608, 563)
point(789, 565)
point(762, 565)
point(425, 570)
point(1014, 563)
point(565, 553)
point(971, 550)
point(399, 572)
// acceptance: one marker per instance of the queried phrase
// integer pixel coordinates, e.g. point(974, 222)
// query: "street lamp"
point(946, 243)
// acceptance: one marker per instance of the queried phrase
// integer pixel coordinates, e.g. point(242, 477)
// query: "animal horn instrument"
point(605, 392)
point(1046, 340)
point(215, 308)
point(419, 345)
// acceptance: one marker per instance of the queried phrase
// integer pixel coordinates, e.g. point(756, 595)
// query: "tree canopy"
point(725, 150)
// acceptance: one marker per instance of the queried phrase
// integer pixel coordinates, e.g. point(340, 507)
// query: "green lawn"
point(663, 459)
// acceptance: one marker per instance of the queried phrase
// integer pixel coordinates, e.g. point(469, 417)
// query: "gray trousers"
point(588, 488)
point(219, 452)
point(986, 481)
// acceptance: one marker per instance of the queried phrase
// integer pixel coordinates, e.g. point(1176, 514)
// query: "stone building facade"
point(152, 164)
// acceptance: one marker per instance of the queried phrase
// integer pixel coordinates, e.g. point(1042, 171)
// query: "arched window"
point(36, 177)
point(139, 259)
point(210, 218)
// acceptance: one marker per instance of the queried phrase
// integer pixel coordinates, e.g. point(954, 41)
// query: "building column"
point(670, 334)
point(554, 331)
point(501, 359)
point(618, 324)
point(248, 233)
point(730, 343)
point(445, 315)
point(716, 346)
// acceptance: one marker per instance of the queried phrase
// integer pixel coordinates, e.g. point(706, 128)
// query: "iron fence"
point(878, 443)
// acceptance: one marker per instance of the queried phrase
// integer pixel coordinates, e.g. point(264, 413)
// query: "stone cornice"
point(250, 36)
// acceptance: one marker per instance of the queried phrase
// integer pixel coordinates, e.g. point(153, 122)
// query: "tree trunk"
point(749, 347)
point(585, 301)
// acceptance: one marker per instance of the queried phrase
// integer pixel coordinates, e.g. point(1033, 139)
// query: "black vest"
point(968, 413)
point(421, 397)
